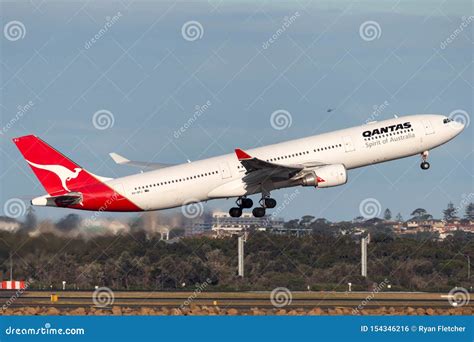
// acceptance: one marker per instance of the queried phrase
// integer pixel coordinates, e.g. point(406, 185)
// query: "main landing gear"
point(258, 212)
point(424, 164)
point(265, 202)
point(242, 203)
point(246, 203)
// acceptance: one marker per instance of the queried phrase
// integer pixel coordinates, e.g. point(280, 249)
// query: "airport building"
point(9, 224)
point(223, 224)
point(199, 227)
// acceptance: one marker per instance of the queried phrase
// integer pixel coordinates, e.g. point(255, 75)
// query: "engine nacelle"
point(326, 176)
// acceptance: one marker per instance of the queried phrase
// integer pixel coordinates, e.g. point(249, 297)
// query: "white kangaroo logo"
point(62, 172)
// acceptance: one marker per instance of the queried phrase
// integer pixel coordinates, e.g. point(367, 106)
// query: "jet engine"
point(325, 176)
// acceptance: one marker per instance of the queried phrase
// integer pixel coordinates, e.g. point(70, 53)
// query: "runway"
point(230, 299)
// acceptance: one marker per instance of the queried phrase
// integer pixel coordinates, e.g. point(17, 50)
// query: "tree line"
point(326, 259)
point(451, 213)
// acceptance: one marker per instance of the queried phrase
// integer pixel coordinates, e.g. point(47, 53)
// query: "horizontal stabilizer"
point(66, 200)
point(121, 160)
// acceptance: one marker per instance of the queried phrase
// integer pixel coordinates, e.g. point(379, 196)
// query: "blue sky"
point(151, 79)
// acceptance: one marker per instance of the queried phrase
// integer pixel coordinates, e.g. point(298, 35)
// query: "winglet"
point(241, 154)
point(118, 158)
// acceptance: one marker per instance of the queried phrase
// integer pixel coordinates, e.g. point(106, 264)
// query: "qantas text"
point(386, 129)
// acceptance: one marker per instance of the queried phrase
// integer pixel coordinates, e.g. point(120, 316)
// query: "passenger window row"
point(184, 179)
point(325, 148)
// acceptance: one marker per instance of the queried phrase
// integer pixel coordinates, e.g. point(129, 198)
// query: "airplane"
point(319, 161)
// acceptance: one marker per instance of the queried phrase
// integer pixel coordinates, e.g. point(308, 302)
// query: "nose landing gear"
point(424, 164)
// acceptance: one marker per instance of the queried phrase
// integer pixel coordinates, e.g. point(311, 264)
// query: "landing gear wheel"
point(247, 203)
point(235, 212)
point(425, 165)
point(267, 202)
point(270, 203)
point(258, 212)
point(244, 202)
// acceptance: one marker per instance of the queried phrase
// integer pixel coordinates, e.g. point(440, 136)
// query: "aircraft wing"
point(117, 158)
point(259, 170)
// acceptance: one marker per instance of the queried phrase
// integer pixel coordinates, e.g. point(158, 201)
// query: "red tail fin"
point(57, 173)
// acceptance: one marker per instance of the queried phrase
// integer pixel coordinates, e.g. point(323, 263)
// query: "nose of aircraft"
point(456, 126)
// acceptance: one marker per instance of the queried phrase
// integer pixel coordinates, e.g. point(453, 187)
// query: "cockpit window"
point(447, 120)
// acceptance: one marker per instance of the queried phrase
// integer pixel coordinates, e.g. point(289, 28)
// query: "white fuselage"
point(221, 177)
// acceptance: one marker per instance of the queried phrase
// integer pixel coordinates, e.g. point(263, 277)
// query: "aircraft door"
point(225, 171)
point(348, 144)
point(428, 127)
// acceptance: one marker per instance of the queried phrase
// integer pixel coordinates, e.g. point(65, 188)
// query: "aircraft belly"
point(231, 189)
